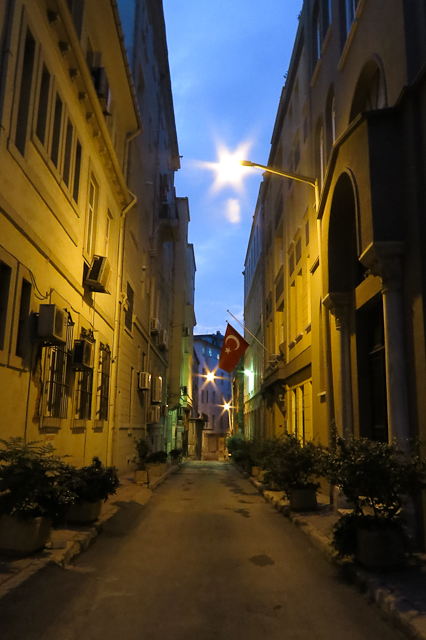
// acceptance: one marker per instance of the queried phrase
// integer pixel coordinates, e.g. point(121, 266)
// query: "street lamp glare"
point(210, 376)
point(227, 406)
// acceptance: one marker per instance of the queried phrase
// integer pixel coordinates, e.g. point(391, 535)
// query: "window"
point(203, 351)
point(43, 105)
point(5, 279)
point(202, 396)
point(84, 387)
point(23, 318)
point(103, 382)
point(108, 224)
point(210, 353)
point(77, 167)
point(128, 315)
point(56, 134)
point(76, 8)
point(207, 396)
point(92, 206)
point(67, 155)
point(25, 93)
point(351, 7)
point(214, 397)
point(56, 388)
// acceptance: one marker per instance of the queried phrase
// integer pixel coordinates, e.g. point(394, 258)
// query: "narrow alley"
point(205, 559)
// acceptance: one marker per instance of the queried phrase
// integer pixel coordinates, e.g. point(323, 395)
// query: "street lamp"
point(210, 376)
point(287, 174)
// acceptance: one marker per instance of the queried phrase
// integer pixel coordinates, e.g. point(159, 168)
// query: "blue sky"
point(227, 61)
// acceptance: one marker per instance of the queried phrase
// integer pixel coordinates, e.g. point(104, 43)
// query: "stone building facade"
point(344, 262)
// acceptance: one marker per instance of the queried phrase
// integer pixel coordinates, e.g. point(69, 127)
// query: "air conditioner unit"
point(154, 415)
point(52, 324)
point(156, 390)
point(83, 354)
point(99, 274)
point(144, 380)
point(163, 339)
point(155, 325)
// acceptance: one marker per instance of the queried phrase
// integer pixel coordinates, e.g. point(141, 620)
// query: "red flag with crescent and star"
point(233, 348)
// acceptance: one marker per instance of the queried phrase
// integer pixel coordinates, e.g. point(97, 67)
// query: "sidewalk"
point(66, 543)
point(401, 595)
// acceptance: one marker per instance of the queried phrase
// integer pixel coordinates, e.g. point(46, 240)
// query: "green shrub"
point(157, 456)
point(290, 464)
point(92, 483)
point(142, 452)
point(31, 480)
point(175, 454)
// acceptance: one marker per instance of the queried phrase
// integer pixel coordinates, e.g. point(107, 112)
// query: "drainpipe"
point(117, 328)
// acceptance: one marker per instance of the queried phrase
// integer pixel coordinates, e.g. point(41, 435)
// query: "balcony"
point(168, 227)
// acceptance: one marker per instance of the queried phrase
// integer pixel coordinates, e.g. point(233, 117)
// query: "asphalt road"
point(206, 559)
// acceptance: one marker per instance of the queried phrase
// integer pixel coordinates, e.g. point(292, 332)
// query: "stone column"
point(339, 305)
point(383, 259)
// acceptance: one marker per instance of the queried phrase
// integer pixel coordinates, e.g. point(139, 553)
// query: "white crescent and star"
point(237, 342)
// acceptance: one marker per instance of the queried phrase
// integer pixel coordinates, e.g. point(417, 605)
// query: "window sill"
point(298, 337)
point(292, 344)
point(308, 328)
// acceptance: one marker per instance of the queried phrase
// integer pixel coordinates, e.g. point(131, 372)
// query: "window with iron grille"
point(83, 390)
point(56, 386)
point(103, 382)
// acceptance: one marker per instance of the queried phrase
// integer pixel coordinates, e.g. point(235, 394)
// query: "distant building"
point(214, 395)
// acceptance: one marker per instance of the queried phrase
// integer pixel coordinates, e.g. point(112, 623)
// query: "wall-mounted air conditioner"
point(144, 380)
point(156, 390)
point(99, 275)
point(163, 339)
point(83, 354)
point(154, 415)
point(52, 324)
point(155, 325)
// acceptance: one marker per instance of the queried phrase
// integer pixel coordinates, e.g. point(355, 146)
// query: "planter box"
point(141, 476)
point(158, 469)
point(24, 536)
point(84, 512)
point(381, 550)
point(303, 499)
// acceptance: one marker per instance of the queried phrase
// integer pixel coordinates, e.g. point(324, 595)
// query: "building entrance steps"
point(401, 595)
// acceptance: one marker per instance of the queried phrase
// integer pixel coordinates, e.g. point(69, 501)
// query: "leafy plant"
point(175, 454)
point(142, 452)
point(92, 483)
point(242, 452)
point(290, 464)
point(31, 480)
point(375, 477)
point(157, 456)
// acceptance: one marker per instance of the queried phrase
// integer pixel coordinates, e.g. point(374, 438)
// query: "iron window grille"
point(57, 387)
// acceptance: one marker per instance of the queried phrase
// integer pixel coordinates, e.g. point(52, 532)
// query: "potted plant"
point(157, 463)
point(91, 485)
point(295, 467)
point(376, 478)
point(142, 453)
point(175, 456)
point(241, 452)
point(32, 494)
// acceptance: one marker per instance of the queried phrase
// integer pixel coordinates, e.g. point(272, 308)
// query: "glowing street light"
point(210, 376)
point(287, 174)
point(227, 406)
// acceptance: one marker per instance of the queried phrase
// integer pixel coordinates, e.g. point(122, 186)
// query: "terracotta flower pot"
point(24, 536)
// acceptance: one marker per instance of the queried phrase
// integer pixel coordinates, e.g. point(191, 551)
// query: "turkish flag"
point(233, 348)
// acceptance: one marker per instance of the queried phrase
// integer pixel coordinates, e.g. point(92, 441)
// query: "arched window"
point(370, 91)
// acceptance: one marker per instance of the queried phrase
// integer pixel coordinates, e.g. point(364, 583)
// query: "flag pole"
point(245, 329)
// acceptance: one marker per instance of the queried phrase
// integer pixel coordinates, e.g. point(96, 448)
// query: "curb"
point(63, 551)
point(397, 609)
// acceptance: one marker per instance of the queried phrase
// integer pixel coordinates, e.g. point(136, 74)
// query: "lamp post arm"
point(287, 174)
